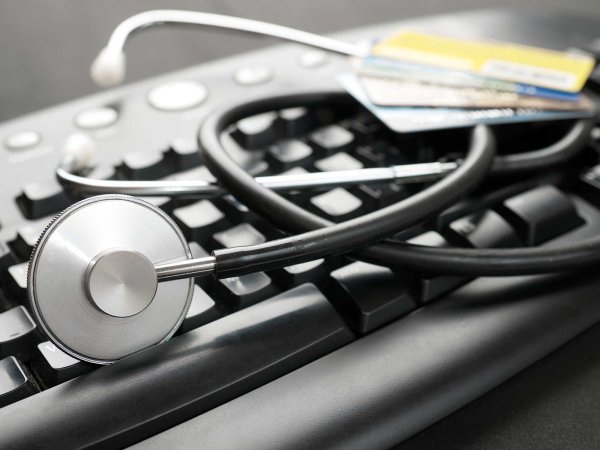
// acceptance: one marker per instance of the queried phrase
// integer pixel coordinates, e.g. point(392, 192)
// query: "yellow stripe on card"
point(512, 62)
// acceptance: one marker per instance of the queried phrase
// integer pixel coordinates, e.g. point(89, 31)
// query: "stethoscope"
point(113, 274)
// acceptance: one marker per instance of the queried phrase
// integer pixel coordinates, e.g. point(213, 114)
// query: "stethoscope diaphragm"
point(91, 280)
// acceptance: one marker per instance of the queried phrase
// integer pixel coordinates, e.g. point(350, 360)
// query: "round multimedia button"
point(177, 95)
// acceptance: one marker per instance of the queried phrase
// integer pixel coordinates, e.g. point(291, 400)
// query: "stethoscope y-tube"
point(113, 274)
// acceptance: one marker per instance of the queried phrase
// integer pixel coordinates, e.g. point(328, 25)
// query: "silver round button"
point(121, 283)
point(177, 95)
point(251, 75)
point(96, 118)
point(313, 58)
point(22, 140)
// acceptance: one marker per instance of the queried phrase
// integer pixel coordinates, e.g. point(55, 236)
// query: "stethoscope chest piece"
point(94, 267)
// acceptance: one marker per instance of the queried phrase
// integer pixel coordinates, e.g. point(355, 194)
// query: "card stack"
point(415, 81)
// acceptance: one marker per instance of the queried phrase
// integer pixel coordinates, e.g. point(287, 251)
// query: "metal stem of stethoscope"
point(409, 173)
point(185, 269)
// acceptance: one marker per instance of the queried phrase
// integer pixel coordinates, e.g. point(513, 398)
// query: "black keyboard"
point(333, 351)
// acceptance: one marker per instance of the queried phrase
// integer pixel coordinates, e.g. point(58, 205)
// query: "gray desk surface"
point(45, 51)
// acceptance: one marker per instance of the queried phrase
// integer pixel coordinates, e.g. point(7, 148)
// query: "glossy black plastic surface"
point(189, 375)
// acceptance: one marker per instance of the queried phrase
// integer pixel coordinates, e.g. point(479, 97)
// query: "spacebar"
point(165, 385)
point(385, 387)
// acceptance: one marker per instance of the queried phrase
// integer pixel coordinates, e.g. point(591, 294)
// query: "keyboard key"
point(102, 172)
point(288, 153)
point(589, 184)
point(183, 154)
point(5, 304)
point(486, 229)
point(295, 170)
point(16, 382)
point(366, 129)
point(145, 165)
point(380, 195)
point(368, 296)
point(309, 272)
point(199, 252)
point(328, 114)
point(301, 196)
point(331, 139)
point(240, 292)
point(17, 333)
point(165, 203)
point(426, 287)
point(252, 162)
point(540, 214)
point(197, 173)
point(27, 236)
point(53, 366)
point(337, 204)
point(16, 282)
point(594, 79)
point(235, 210)
point(42, 199)
point(338, 161)
point(202, 311)
point(239, 235)
point(591, 48)
point(380, 154)
point(369, 155)
point(257, 131)
point(7, 259)
point(296, 121)
point(200, 220)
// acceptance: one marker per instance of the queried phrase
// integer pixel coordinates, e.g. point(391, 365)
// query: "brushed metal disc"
point(57, 273)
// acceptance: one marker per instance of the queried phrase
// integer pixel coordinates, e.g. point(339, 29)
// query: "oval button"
point(251, 75)
point(313, 58)
point(177, 95)
point(96, 118)
point(22, 140)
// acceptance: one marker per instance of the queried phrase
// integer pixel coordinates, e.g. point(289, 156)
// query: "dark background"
point(45, 51)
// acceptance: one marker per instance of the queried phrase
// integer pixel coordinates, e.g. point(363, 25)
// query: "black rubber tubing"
point(355, 234)
point(320, 240)
point(561, 151)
